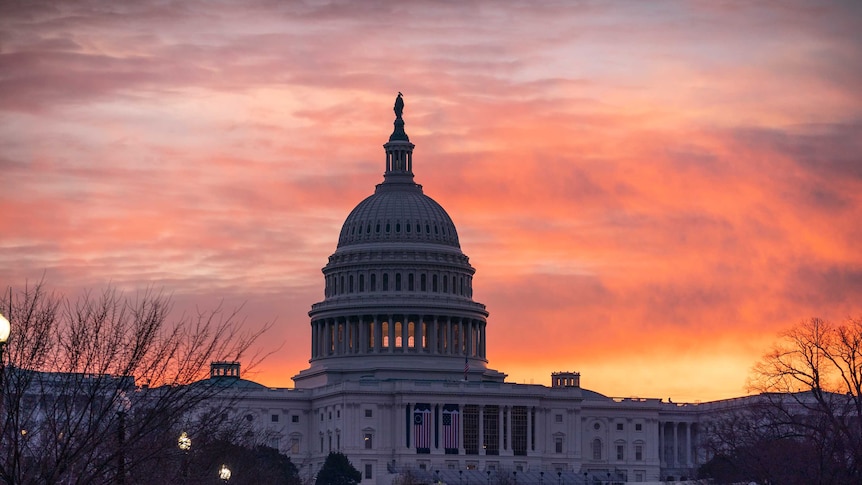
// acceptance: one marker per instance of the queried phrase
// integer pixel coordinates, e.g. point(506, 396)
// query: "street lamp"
point(585, 478)
point(185, 444)
point(489, 476)
point(5, 329)
point(542, 478)
point(559, 478)
point(515, 474)
point(224, 473)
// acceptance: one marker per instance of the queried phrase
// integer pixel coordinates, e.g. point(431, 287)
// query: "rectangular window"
point(369, 441)
point(368, 469)
point(471, 429)
point(519, 430)
point(369, 413)
point(639, 427)
point(639, 453)
point(491, 429)
point(274, 418)
point(558, 418)
point(619, 426)
point(294, 445)
point(294, 419)
point(621, 452)
point(558, 444)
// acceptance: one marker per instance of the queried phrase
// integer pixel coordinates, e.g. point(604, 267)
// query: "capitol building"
point(400, 379)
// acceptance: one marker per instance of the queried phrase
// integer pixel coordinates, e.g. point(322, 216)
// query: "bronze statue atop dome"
point(399, 105)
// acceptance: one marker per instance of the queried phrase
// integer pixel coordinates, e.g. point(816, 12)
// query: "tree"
point(97, 389)
point(337, 470)
point(808, 415)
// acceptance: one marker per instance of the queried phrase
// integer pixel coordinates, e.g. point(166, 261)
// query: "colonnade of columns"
point(399, 160)
point(677, 444)
point(435, 335)
point(510, 440)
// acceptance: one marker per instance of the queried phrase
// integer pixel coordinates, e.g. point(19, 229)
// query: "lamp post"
point(460, 477)
point(489, 476)
point(542, 478)
point(185, 444)
point(224, 473)
point(559, 478)
point(515, 474)
point(585, 478)
point(5, 330)
point(437, 476)
point(609, 478)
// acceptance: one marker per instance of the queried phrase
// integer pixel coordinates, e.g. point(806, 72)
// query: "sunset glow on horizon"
point(650, 192)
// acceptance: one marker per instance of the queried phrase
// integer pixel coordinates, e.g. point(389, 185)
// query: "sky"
point(650, 192)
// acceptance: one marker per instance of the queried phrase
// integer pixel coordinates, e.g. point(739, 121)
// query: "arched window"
point(397, 281)
point(410, 282)
point(350, 284)
point(422, 281)
point(434, 283)
point(597, 449)
point(373, 282)
point(361, 282)
point(385, 281)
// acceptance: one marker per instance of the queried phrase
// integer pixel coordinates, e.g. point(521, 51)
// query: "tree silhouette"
point(337, 470)
point(97, 389)
point(805, 425)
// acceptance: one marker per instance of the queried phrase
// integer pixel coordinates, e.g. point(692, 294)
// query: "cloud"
point(651, 186)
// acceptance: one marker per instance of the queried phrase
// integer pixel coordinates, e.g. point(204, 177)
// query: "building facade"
point(399, 378)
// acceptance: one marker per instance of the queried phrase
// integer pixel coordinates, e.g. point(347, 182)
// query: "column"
point(461, 429)
point(509, 428)
point(378, 334)
point(405, 334)
point(661, 460)
point(688, 445)
point(448, 336)
point(501, 445)
point(481, 429)
point(391, 335)
point(675, 445)
point(313, 339)
point(432, 335)
point(529, 429)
